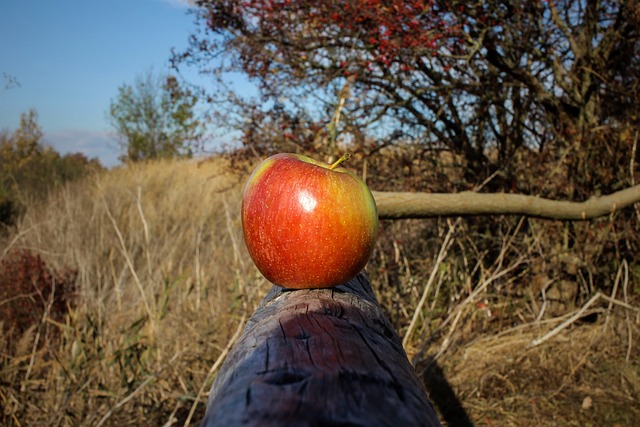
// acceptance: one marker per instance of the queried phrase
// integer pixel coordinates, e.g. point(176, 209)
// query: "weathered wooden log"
point(319, 357)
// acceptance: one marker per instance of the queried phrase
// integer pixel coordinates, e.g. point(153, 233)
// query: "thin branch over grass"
point(400, 205)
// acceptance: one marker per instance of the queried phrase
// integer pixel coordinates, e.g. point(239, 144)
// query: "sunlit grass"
point(163, 277)
point(164, 282)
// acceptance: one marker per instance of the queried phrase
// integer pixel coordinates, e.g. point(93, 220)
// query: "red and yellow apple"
point(308, 224)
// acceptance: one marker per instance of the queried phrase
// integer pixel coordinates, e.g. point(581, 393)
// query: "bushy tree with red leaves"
point(484, 79)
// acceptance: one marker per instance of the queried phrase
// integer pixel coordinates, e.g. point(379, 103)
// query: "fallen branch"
point(398, 205)
point(567, 322)
point(577, 314)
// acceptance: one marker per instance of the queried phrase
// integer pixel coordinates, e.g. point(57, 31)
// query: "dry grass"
point(164, 283)
point(493, 338)
point(580, 379)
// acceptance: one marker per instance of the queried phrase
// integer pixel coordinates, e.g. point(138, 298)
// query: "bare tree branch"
point(398, 205)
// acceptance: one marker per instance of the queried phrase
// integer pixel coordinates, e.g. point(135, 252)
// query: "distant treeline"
point(30, 170)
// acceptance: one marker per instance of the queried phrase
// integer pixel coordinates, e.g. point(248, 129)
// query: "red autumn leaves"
point(352, 35)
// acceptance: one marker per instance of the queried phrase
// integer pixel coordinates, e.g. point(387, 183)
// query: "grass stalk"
point(215, 367)
point(132, 270)
point(418, 310)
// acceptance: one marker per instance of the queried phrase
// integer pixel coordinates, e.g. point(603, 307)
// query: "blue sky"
point(70, 56)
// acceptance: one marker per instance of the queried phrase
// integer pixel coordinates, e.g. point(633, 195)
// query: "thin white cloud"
point(93, 144)
point(183, 4)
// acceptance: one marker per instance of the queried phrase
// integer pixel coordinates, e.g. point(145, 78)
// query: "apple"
point(308, 224)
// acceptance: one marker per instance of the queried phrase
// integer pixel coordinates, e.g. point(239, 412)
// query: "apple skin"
point(305, 225)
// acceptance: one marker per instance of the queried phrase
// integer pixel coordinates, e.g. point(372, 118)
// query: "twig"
point(215, 366)
point(621, 303)
point(613, 295)
point(441, 255)
point(197, 268)
point(626, 314)
point(632, 168)
point(434, 301)
point(632, 161)
point(238, 263)
point(544, 304)
point(145, 227)
point(47, 310)
point(15, 240)
point(566, 323)
point(531, 325)
point(447, 339)
point(125, 400)
point(497, 273)
point(234, 243)
point(483, 286)
point(172, 417)
point(138, 389)
point(125, 254)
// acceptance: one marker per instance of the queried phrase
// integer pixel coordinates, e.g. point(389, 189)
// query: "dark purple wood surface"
point(319, 357)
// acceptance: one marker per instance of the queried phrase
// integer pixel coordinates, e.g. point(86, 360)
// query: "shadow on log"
point(319, 357)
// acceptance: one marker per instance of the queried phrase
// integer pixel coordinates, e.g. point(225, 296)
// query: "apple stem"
point(344, 157)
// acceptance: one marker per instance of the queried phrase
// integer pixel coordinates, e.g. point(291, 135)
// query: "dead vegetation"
point(536, 332)
point(510, 320)
point(162, 283)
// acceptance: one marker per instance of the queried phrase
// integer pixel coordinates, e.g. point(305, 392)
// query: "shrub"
point(30, 170)
point(29, 289)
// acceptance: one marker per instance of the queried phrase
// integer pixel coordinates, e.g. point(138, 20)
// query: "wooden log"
point(319, 357)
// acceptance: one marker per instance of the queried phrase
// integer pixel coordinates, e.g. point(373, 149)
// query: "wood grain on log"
point(393, 205)
point(319, 357)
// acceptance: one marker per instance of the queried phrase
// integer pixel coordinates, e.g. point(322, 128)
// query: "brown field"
point(154, 280)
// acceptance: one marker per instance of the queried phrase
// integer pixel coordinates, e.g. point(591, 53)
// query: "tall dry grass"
point(514, 323)
point(163, 281)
